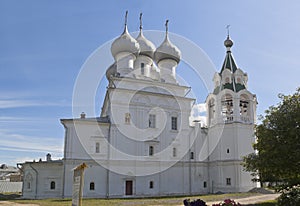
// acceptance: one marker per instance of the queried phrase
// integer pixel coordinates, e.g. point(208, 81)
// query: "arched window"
point(151, 150)
point(92, 186)
point(211, 111)
point(244, 108)
point(52, 185)
point(227, 108)
point(174, 152)
point(142, 68)
point(192, 155)
point(28, 185)
point(97, 149)
point(127, 118)
point(151, 184)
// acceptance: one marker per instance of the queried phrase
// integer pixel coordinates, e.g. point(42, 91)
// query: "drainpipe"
point(36, 182)
point(64, 161)
point(108, 159)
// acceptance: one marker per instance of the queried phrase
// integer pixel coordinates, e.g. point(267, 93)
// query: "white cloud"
point(22, 143)
point(198, 113)
point(15, 103)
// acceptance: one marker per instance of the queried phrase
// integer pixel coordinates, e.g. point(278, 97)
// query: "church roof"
point(91, 119)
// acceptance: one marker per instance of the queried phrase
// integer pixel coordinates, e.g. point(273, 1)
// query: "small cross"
point(227, 27)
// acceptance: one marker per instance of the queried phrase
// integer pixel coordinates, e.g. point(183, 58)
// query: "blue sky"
point(43, 45)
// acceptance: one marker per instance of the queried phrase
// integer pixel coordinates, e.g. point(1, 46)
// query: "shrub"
point(227, 202)
point(197, 202)
point(290, 196)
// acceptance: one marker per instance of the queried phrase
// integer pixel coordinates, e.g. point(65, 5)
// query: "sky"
point(43, 45)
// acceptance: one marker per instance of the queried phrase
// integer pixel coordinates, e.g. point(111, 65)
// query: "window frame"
point(152, 121)
point(97, 147)
point(92, 186)
point(52, 185)
point(228, 181)
point(142, 68)
point(174, 123)
point(151, 184)
point(151, 150)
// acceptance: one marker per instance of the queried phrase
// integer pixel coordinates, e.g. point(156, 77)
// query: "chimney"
point(48, 157)
point(82, 115)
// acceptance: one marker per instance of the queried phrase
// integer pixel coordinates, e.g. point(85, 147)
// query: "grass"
point(142, 201)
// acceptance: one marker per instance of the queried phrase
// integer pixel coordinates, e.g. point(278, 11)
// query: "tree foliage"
point(278, 143)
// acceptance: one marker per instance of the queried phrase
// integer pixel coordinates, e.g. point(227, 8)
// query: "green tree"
point(278, 143)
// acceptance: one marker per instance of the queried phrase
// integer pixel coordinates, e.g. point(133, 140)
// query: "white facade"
point(143, 144)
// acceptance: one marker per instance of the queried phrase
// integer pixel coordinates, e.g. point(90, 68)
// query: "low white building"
point(142, 144)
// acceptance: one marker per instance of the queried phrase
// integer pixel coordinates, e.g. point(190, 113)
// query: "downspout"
point(36, 182)
point(108, 148)
point(190, 166)
point(108, 159)
point(64, 162)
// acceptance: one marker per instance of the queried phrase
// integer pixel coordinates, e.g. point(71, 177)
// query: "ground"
point(247, 199)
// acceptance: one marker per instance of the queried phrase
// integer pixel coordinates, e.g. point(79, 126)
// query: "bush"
point(197, 202)
point(227, 202)
point(290, 196)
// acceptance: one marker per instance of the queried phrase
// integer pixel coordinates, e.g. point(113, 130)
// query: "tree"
point(277, 156)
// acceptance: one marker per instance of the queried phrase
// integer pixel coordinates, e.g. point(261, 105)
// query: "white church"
point(143, 143)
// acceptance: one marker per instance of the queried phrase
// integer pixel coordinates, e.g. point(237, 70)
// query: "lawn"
point(142, 201)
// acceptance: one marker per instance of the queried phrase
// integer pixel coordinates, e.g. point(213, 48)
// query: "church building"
point(143, 144)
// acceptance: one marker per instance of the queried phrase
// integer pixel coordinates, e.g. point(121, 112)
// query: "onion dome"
point(167, 50)
point(111, 71)
point(125, 43)
point(147, 48)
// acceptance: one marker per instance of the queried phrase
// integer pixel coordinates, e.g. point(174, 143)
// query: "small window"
point(151, 150)
point(97, 149)
point(174, 123)
point(52, 185)
point(151, 184)
point(227, 151)
point(127, 118)
point(142, 68)
point(227, 80)
point(152, 120)
point(28, 185)
point(92, 186)
point(204, 184)
point(174, 152)
point(228, 181)
point(192, 155)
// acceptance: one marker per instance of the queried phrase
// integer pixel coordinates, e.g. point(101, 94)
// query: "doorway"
point(128, 187)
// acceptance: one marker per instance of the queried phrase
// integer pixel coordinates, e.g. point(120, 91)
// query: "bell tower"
point(230, 119)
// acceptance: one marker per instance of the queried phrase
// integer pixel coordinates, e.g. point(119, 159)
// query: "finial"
point(141, 26)
point(125, 27)
point(228, 42)
point(166, 24)
point(126, 14)
point(227, 27)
